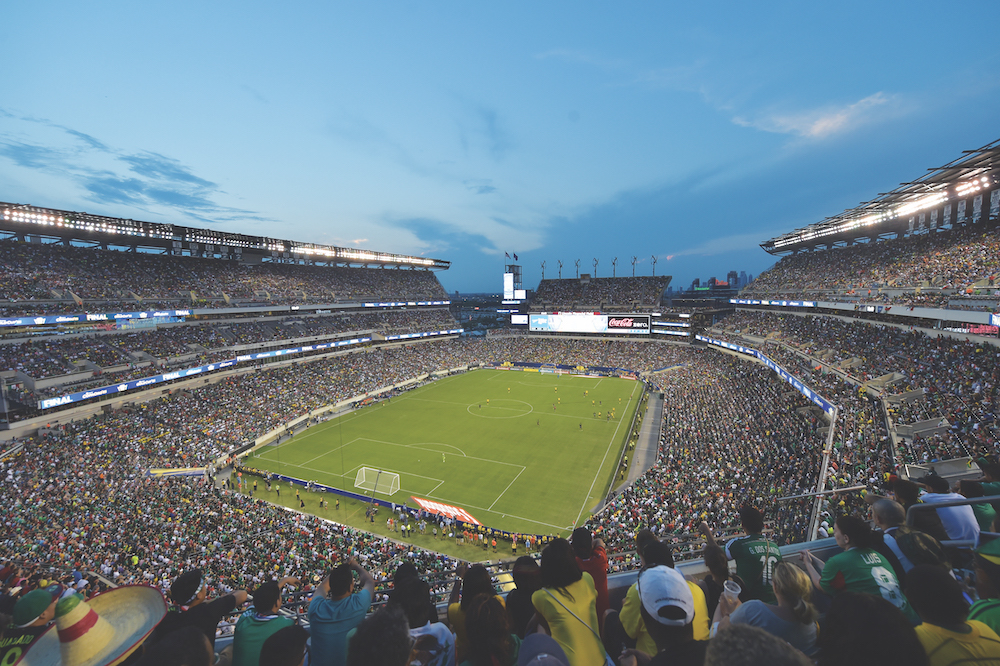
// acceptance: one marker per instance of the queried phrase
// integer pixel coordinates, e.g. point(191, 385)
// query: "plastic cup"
point(732, 590)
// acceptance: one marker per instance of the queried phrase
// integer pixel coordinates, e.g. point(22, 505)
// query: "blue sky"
point(560, 131)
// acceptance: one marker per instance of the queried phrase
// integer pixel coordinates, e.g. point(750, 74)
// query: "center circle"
point(500, 408)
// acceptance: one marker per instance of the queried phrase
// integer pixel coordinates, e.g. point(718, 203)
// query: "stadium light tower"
point(543, 270)
point(560, 268)
point(596, 261)
point(614, 264)
point(654, 265)
point(577, 268)
point(634, 259)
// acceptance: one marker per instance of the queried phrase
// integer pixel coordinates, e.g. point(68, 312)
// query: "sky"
point(688, 132)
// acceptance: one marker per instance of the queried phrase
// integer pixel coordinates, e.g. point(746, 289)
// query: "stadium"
point(254, 407)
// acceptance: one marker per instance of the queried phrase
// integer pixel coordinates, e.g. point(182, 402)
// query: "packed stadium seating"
point(963, 263)
point(78, 497)
point(634, 294)
point(33, 272)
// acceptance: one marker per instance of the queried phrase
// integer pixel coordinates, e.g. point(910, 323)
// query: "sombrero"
point(99, 632)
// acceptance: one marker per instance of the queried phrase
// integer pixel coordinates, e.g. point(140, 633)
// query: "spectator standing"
point(335, 609)
point(528, 578)
point(491, 642)
point(592, 557)
point(755, 555)
point(433, 642)
point(188, 592)
point(667, 608)
point(475, 580)
point(567, 605)
point(256, 625)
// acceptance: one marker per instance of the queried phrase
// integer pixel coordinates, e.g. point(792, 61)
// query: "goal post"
point(371, 479)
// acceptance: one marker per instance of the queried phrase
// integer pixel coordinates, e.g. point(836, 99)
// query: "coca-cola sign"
point(631, 322)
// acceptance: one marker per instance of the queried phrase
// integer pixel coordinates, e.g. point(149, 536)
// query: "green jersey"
point(864, 570)
point(756, 557)
point(986, 611)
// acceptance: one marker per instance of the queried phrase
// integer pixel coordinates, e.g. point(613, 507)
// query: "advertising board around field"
point(439, 509)
point(589, 322)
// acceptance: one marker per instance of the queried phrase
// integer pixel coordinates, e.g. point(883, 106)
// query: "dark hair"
point(413, 595)
point(935, 595)
point(715, 560)
point(583, 542)
point(866, 630)
point(285, 647)
point(906, 491)
point(405, 570)
point(643, 538)
point(657, 553)
point(477, 580)
point(265, 596)
point(526, 574)
point(382, 638)
point(970, 488)
point(340, 580)
point(856, 530)
point(751, 519)
point(185, 586)
point(559, 568)
point(187, 646)
point(746, 645)
point(488, 631)
point(937, 483)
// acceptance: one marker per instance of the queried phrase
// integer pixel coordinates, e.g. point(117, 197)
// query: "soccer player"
point(442, 458)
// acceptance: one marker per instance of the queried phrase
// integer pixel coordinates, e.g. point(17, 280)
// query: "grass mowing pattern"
point(487, 441)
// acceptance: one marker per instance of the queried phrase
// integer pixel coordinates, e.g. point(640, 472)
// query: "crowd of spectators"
point(33, 271)
point(79, 498)
point(633, 293)
point(46, 357)
point(954, 258)
point(737, 439)
point(955, 380)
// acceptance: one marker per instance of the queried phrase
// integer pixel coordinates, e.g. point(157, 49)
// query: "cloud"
point(827, 121)
point(479, 186)
point(442, 237)
point(157, 167)
point(29, 156)
point(147, 182)
point(724, 244)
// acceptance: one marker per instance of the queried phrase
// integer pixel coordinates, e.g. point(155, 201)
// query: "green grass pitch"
point(488, 441)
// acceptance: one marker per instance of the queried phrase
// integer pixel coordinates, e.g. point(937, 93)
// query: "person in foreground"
point(946, 633)
point(335, 609)
point(792, 619)
point(668, 612)
point(567, 605)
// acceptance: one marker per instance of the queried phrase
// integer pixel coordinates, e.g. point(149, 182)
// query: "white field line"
point(505, 489)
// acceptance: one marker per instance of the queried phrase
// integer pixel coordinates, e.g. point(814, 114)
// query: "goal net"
point(372, 479)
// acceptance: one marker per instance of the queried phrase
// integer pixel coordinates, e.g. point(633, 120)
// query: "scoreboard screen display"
point(588, 322)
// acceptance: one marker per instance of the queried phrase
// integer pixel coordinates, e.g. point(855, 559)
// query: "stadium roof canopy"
point(888, 215)
point(100, 231)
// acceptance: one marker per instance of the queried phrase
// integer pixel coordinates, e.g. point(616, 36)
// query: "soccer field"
point(521, 451)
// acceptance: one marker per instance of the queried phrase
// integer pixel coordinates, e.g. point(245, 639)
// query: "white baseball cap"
point(666, 596)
